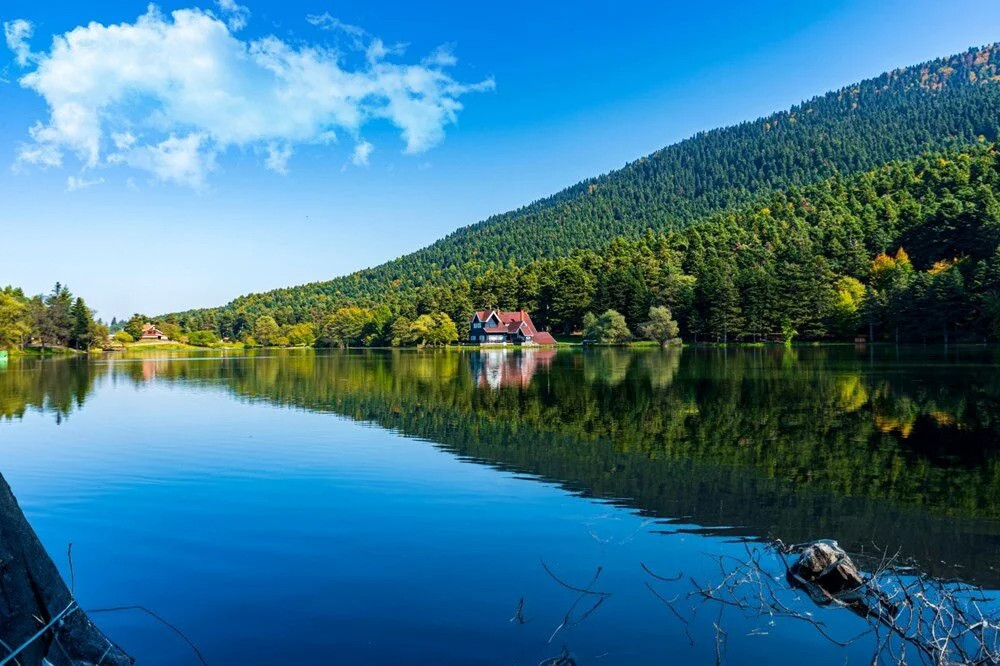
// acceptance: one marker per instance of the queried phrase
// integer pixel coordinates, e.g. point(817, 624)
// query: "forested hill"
point(951, 101)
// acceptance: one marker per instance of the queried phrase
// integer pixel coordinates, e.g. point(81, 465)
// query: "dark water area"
point(402, 506)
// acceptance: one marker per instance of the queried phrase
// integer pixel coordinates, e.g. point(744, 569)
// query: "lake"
point(383, 507)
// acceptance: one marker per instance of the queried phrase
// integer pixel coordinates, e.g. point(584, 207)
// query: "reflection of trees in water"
point(831, 423)
point(757, 441)
point(608, 366)
point(793, 443)
point(56, 387)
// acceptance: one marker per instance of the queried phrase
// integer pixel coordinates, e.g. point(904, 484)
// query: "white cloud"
point(170, 94)
point(237, 16)
point(277, 157)
point(185, 160)
point(328, 22)
point(17, 33)
point(123, 140)
point(375, 49)
point(442, 56)
point(73, 183)
point(362, 151)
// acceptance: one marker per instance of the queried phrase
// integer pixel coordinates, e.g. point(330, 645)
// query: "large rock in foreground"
point(33, 594)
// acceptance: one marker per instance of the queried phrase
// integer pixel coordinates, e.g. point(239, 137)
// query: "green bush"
point(203, 338)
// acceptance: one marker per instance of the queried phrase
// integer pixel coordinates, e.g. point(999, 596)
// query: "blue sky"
point(180, 160)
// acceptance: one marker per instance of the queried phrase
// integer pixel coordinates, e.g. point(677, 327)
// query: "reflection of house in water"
point(500, 367)
point(151, 367)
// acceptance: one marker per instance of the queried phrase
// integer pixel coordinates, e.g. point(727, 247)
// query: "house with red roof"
point(150, 332)
point(500, 327)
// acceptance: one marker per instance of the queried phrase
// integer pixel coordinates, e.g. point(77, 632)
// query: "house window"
point(476, 324)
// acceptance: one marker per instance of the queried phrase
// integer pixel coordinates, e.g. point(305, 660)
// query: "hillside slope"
point(947, 102)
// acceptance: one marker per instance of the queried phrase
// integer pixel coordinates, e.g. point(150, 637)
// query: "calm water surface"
point(397, 507)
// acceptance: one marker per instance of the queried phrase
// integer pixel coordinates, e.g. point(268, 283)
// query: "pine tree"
point(82, 324)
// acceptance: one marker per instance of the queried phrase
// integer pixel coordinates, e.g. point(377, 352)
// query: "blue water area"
point(348, 508)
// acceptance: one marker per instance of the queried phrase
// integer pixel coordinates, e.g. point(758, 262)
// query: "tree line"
point(945, 103)
point(56, 319)
point(904, 252)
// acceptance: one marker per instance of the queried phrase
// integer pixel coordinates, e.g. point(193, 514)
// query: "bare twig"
point(657, 577)
point(583, 592)
point(158, 618)
point(570, 587)
point(669, 604)
point(519, 613)
point(72, 574)
point(720, 639)
point(912, 617)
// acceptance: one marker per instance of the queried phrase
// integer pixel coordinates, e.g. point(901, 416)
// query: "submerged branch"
point(913, 618)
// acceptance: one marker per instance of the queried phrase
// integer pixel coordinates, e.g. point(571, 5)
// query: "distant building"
point(499, 327)
point(150, 332)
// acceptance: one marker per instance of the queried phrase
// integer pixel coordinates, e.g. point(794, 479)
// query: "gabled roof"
point(511, 321)
point(543, 338)
point(151, 331)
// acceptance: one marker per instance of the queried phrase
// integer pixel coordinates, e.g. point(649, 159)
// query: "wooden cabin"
point(501, 327)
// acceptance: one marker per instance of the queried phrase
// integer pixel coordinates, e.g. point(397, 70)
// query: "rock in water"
point(826, 572)
point(31, 589)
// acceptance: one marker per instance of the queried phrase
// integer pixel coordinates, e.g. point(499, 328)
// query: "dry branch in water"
point(583, 593)
point(911, 617)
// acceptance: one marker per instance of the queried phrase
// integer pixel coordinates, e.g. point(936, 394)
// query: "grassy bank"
point(43, 351)
point(175, 346)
